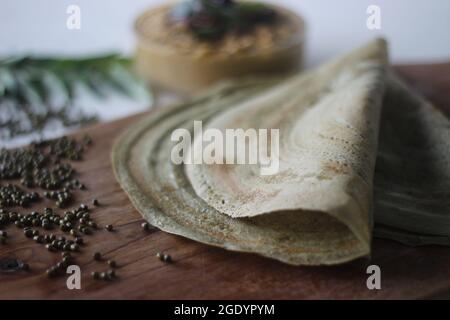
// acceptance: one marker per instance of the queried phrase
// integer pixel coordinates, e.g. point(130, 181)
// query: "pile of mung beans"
point(44, 168)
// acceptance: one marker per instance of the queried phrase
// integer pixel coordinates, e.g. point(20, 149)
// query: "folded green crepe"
point(412, 174)
point(356, 146)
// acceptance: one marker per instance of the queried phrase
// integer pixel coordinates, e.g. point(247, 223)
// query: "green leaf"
point(7, 81)
point(128, 84)
point(54, 83)
point(93, 84)
point(27, 89)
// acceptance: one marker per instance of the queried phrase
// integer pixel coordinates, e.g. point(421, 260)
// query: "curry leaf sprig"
point(35, 91)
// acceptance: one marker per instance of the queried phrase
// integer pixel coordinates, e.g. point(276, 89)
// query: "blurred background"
point(417, 31)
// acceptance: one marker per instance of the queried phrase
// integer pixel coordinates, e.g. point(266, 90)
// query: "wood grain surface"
point(203, 272)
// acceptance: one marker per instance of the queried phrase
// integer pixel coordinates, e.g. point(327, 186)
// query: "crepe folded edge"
point(346, 205)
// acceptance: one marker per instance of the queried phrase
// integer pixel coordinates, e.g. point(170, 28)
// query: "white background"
point(417, 30)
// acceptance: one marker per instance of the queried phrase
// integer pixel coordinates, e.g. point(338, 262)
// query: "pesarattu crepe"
point(412, 174)
point(318, 209)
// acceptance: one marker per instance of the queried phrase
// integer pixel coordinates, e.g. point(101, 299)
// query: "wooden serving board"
point(203, 272)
